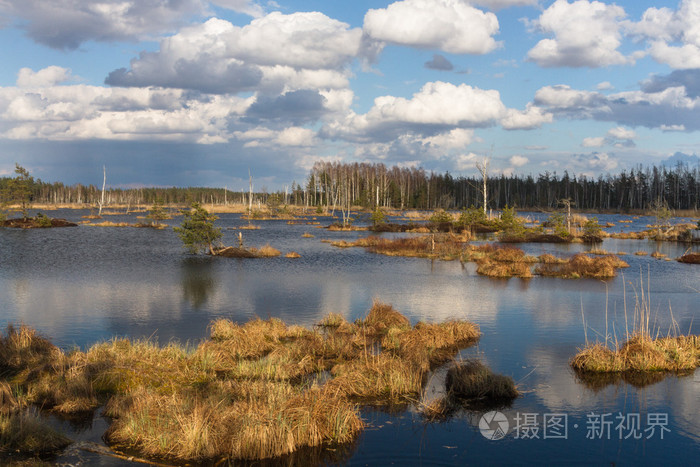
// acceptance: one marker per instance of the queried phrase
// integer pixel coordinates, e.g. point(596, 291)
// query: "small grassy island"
point(643, 357)
point(254, 391)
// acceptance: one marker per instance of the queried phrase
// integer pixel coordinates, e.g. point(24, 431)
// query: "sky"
point(204, 93)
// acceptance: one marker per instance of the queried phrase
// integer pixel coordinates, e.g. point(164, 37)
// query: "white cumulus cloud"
point(274, 53)
point(518, 161)
point(586, 34)
point(532, 117)
point(65, 24)
point(674, 34)
point(452, 26)
point(593, 142)
point(49, 76)
point(500, 4)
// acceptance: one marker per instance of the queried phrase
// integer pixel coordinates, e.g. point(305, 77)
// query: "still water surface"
point(86, 284)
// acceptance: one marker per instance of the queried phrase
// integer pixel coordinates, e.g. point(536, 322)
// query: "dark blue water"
point(86, 284)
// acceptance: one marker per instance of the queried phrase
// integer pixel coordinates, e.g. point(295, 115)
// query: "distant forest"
point(375, 185)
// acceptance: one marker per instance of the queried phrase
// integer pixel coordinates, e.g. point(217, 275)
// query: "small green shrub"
point(378, 217)
point(470, 217)
point(591, 227)
point(440, 217)
point(43, 220)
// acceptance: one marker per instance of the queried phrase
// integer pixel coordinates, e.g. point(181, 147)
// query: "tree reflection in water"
point(197, 280)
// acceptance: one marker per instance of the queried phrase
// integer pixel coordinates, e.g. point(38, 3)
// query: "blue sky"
point(197, 93)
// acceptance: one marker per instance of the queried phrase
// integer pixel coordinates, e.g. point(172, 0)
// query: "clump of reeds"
point(382, 378)
point(382, 317)
point(641, 253)
point(22, 348)
point(550, 259)
point(252, 391)
point(110, 224)
point(442, 246)
point(500, 261)
point(430, 344)
point(307, 235)
point(26, 433)
point(643, 350)
point(266, 251)
point(491, 268)
point(292, 254)
point(9, 403)
point(472, 381)
point(581, 265)
point(254, 339)
point(641, 353)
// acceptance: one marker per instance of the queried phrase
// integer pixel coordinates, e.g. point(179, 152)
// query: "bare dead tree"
point(483, 168)
point(104, 182)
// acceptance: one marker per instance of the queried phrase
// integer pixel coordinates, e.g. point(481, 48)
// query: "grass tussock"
point(430, 344)
point(266, 251)
point(501, 261)
point(641, 353)
point(307, 235)
point(292, 254)
point(26, 433)
point(475, 383)
point(496, 269)
point(257, 390)
point(690, 258)
point(582, 265)
point(437, 246)
point(643, 350)
point(382, 317)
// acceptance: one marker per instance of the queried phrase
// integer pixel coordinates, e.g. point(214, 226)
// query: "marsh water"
point(86, 284)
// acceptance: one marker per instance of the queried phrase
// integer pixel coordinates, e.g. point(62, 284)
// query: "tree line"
point(373, 185)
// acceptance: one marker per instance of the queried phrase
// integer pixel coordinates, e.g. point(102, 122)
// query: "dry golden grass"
point(248, 392)
point(22, 348)
point(109, 224)
point(489, 268)
point(307, 235)
point(266, 251)
point(382, 378)
point(382, 317)
point(581, 265)
point(550, 259)
point(643, 350)
point(26, 433)
point(9, 403)
point(658, 255)
point(641, 353)
point(430, 344)
point(641, 253)
point(345, 228)
point(292, 254)
point(438, 246)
